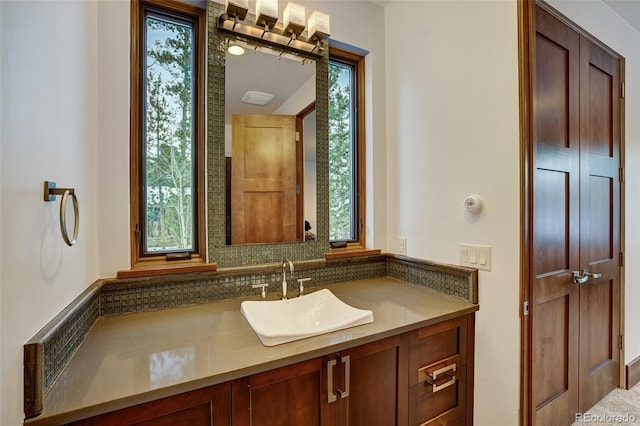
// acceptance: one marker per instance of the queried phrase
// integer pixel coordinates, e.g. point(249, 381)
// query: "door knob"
point(586, 273)
point(579, 279)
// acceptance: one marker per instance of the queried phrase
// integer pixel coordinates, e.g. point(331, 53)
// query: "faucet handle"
point(263, 288)
point(301, 282)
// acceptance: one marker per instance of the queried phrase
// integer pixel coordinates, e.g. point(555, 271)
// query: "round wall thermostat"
point(473, 204)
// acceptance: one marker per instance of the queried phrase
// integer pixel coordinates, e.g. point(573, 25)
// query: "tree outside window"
point(342, 153)
point(168, 136)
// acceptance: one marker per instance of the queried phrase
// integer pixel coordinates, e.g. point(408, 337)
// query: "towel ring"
point(50, 192)
point(63, 218)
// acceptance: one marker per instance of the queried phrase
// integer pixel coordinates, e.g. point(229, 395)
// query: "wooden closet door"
point(576, 223)
point(599, 223)
point(556, 214)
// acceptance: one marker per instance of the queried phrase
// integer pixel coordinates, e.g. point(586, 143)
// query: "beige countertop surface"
point(135, 358)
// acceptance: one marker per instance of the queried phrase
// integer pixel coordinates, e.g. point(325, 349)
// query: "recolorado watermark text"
point(606, 418)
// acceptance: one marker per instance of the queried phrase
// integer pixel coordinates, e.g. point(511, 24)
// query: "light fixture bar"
point(264, 26)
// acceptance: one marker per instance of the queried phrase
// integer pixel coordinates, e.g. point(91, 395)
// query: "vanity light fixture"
point(319, 26)
point(294, 19)
point(237, 8)
point(257, 98)
point(264, 25)
point(267, 13)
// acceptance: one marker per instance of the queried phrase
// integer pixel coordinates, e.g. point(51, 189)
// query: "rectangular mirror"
point(251, 253)
point(270, 145)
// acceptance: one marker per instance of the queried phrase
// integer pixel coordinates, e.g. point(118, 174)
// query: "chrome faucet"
point(285, 263)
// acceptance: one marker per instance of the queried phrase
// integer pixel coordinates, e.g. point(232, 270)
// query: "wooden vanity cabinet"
point(209, 406)
point(360, 386)
point(424, 377)
point(441, 373)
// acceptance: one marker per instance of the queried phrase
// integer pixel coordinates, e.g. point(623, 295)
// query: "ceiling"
point(264, 71)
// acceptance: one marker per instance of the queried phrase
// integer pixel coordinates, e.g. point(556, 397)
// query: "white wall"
point(300, 99)
point(49, 132)
point(608, 27)
point(113, 137)
point(452, 121)
point(453, 130)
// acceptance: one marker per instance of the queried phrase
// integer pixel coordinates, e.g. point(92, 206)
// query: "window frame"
point(357, 61)
point(144, 262)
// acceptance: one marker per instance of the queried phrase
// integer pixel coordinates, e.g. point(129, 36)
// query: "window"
point(167, 136)
point(346, 147)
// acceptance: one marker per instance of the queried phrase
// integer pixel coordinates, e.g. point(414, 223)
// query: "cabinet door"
point(371, 383)
point(289, 396)
point(203, 407)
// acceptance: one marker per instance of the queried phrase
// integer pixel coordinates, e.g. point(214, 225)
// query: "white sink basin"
point(281, 321)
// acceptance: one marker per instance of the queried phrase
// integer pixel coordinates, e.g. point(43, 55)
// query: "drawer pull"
point(439, 371)
point(437, 388)
point(433, 376)
point(347, 376)
point(332, 397)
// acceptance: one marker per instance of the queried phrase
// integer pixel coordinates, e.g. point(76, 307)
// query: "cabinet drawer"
point(440, 404)
point(440, 343)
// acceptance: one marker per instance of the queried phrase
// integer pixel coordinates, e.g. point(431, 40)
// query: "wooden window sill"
point(354, 251)
point(162, 267)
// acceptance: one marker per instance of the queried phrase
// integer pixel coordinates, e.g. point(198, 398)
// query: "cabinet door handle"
point(431, 378)
point(439, 371)
point(436, 388)
point(346, 360)
point(330, 393)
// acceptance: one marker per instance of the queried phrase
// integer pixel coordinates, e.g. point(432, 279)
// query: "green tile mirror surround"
point(253, 254)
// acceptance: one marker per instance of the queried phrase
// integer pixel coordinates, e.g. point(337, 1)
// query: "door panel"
point(600, 223)
point(553, 350)
point(551, 223)
point(556, 216)
point(267, 398)
point(552, 88)
point(597, 300)
point(378, 383)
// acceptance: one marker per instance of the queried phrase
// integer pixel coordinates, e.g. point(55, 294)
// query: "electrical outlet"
point(475, 256)
point(402, 245)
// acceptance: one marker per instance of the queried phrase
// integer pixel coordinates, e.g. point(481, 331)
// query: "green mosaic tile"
point(59, 346)
point(453, 284)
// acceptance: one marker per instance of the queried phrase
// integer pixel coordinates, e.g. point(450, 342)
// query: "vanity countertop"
point(134, 358)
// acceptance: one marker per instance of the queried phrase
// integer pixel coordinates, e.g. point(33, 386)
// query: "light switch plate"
point(402, 245)
point(475, 256)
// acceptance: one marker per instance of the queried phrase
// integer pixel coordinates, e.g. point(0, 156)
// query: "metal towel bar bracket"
point(50, 192)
